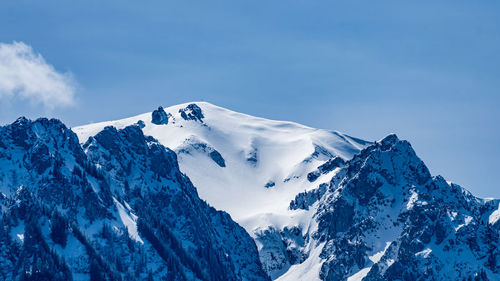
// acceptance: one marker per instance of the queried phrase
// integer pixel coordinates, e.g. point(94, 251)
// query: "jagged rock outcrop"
point(306, 199)
point(159, 116)
point(252, 156)
point(325, 168)
point(386, 217)
point(192, 112)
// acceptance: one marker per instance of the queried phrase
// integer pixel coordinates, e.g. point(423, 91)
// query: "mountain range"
point(199, 192)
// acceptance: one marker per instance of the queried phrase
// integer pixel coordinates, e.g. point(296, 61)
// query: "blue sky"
point(427, 70)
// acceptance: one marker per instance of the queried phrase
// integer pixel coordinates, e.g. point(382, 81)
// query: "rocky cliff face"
point(117, 209)
point(384, 217)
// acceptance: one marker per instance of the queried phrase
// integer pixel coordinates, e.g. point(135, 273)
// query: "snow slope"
point(256, 152)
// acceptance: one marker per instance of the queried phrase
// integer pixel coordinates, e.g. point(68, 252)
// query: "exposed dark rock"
point(215, 155)
point(270, 184)
point(325, 168)
point(252, 157)
point(40, 157)
point(339, 220)
point(306, 199)
point(192, 112)
point(141, 124)
point(159, 117)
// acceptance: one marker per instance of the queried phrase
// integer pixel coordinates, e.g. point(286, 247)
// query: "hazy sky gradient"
point(427, 70)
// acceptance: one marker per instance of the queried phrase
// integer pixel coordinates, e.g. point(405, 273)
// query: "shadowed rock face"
point(325, 168)
point(117, 208)
point(215, 155)
point(159, 117)
point(193, 145)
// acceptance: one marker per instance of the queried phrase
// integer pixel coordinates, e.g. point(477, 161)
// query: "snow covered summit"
point(245, 165)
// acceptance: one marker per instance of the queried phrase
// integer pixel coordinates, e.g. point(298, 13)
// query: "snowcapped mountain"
point(250, 167)
point(384, 217)
point(245, 165)
point(119, 200)
point(321, 205)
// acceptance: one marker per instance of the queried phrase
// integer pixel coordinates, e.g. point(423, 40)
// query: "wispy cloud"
point(24, 74)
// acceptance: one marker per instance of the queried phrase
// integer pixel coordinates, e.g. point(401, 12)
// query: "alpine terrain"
point(199, 192)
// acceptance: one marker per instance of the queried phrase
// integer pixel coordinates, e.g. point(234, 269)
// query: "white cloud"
point(25, 75)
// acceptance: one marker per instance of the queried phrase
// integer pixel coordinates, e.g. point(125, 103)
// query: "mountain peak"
point(22, 120)
point(389, 140)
